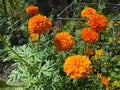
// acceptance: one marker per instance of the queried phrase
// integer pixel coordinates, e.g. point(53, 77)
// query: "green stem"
point(13, 86)
point(38, 42)
point(116, 17)
point(6, 43)
point(3, 84)
point(101, 6)
point(5, 8)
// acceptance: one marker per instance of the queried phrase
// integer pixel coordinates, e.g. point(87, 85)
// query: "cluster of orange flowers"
point(63, 41)
point(77, 66)
point(32, 10)
point(37, 24)
point(97, 23)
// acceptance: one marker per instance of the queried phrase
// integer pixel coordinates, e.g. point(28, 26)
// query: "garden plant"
point(79, 55)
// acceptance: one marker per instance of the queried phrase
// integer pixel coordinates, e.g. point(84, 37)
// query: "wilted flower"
point(63, 41)
point(32, 10)
point(87, 12)
point(89, 35)
point(77, 66)
point(98, 22)
point(39, 24)
point(90, 52)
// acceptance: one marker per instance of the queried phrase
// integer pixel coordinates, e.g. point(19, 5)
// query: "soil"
point(5, 69)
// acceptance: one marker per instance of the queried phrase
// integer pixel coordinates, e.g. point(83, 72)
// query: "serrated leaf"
point(46, 73)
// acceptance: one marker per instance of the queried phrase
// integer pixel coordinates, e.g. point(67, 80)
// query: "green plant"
point(39, 66)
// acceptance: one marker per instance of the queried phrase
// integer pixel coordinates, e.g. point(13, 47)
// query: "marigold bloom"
point(63, 41)
point(32, 10)
point(87, 12)
point(110, 88)
point(99, 75)
point(39, 24)
point(99, 52)
point(77, 66)
point(116, 83)
point(98, 22)
point(34, 37)
point(106, 64)
point(105, 80)
point(89, 35)
point(111, 23)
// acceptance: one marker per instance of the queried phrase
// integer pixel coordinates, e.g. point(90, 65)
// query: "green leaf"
point(116, 69)
point(46, 73)
point(3, 84)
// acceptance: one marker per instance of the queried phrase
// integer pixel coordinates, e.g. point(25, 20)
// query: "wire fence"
point(72, 13)
point(74, 9)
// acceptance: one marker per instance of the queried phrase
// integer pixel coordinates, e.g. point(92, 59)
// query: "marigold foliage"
point(77, 66)
point(87, 12)
point(39, 24)
point(89, 35)
point(63, 41)
point(32, 10)
point(98, 22)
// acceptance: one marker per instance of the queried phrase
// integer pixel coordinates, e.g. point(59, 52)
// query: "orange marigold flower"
point(87, 12)
point(34, 37)
point(77, 66)
point(63, 41)
point(32, 10)
point(39, 24)
point(98, 22)
point(89, 35)
point(105, 80)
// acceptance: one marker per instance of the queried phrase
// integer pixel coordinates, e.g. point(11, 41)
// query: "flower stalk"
point(6, 43)
point(38, 42)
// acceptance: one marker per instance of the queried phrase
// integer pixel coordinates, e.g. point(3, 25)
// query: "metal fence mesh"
point(72, 12)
